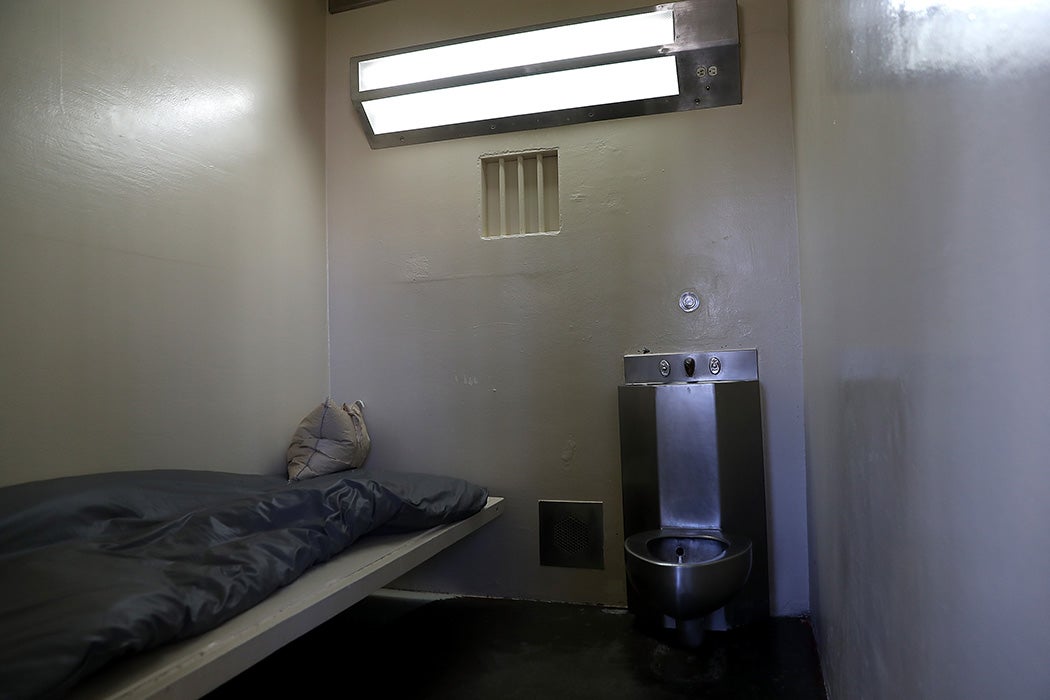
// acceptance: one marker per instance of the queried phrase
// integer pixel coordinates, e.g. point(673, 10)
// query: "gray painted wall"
point(923, 178)
point(162, 234)
point(499, 360)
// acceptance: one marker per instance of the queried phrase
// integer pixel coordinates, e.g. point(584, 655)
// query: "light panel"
point(538, 46)
point(672, 57)
point(579, 87)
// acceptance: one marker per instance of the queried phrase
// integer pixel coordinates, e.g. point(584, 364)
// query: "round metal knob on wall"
point(689, 301)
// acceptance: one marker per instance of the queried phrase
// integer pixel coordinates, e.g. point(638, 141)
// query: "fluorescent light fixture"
point(665, 58)
point(619, 82)
point(591, 38)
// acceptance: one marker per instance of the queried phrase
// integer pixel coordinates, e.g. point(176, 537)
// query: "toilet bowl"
point(684, 573)
point(693, 487)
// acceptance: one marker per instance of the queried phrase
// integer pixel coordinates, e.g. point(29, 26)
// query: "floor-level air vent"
point(519, 194)
point(572, 534)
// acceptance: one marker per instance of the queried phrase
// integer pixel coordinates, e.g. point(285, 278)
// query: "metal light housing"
point(664, 58)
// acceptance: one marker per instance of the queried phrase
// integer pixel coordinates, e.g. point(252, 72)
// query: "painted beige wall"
point(499, 360)
point(162, 234)
point(923, 178)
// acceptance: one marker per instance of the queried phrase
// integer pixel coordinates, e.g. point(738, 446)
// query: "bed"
point(169, 583)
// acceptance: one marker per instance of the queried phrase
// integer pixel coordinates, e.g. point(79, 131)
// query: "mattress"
point(93, 568)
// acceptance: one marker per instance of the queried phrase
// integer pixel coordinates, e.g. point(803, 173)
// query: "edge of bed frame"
point(195, 666)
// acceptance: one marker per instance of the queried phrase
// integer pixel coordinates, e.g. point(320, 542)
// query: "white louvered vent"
point(519, 194)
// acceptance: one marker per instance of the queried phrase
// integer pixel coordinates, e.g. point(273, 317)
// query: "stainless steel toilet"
point(686, 574)
point(693, 491)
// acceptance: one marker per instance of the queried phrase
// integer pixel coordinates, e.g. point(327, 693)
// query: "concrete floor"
point(466, 648)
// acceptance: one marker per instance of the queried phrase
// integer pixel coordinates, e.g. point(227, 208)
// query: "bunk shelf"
point(195, 666)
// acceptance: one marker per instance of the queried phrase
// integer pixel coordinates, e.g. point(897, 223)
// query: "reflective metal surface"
point(691, 457)
point(688, 589)
point(725, 365)
point(572, 534)
point(678, 548)
point(706, 38)
point(689, 301)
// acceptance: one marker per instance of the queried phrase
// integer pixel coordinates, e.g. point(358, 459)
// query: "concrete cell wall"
point(499, 360)
point(162, 233)
point(923, 211)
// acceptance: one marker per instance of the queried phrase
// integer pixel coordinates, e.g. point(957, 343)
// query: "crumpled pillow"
point(330, 439)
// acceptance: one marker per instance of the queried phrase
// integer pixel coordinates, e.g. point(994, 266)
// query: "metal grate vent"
point(572, 534)
point(519, 194)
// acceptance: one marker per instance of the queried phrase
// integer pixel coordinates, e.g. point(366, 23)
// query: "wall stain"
point(568, 453)
point(417, 268)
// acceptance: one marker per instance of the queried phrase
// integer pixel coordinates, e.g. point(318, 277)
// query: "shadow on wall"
point(307, 54)
point(874, 562)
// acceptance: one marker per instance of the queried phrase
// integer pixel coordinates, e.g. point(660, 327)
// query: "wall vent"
point(572, 534)
point(519, 194)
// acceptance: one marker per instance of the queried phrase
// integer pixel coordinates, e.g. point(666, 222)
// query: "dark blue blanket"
point(96, 567)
